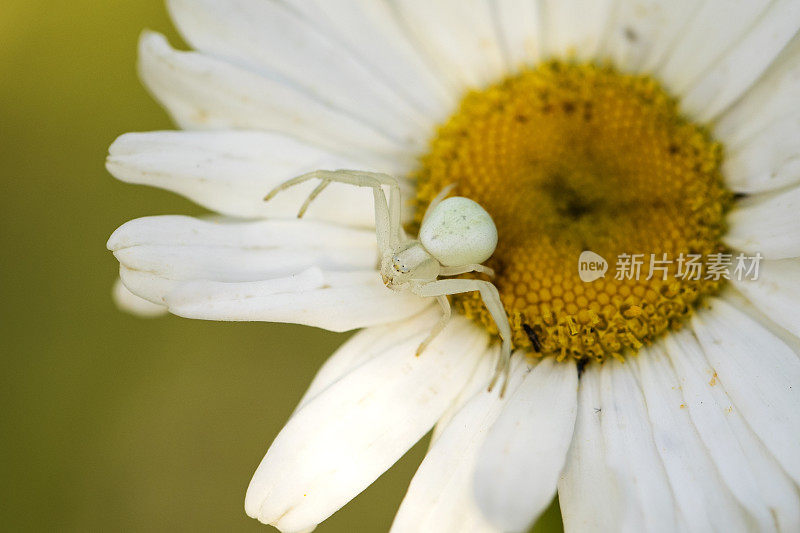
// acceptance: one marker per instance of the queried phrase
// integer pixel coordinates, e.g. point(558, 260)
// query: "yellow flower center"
point(571, 158)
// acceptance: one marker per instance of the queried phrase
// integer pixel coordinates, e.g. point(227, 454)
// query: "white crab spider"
point(455, 237)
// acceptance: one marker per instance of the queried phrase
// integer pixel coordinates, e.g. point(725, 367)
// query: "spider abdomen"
point(459, 232)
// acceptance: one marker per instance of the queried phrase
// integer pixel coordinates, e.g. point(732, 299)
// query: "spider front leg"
point(388, 226)
point(456, 270)
point(491, 298)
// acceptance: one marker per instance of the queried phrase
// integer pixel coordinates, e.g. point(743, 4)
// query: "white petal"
point(186, 248)
point(761, 375)
point(742, 64)
point(440, 498)
point(222, 232)
point(574, 27)
point(587, 490)
point(479, 381)
point(202, 92)
point(282, 271)
point(127, 301)
point(344, 438)
point(758, 131)
point(776, 292)
point(702, 497)
point(359, 348)
point(631, 453)
point(460, 38)
point(748, 469)
point(336, 301)
point(770, 99)
point(372, 31)
point(714, 29)
point(270, 37)
point(767, 225)
point(641, 33)
point(767, 161)
point(521, 31)
point(364, 345)
point(743, 304)
point(525, 449)
point(230, 172)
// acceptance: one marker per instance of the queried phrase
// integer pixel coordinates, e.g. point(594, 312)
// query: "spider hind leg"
point(491, 298)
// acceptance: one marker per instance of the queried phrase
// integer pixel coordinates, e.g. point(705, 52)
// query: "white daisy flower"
point(612, 126)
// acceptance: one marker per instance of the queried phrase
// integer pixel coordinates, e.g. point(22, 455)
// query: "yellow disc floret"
point(568, 158)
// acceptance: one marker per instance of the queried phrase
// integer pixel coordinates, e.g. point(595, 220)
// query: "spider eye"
point(399, 266)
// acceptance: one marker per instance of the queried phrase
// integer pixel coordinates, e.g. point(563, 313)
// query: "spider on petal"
point(455, 237)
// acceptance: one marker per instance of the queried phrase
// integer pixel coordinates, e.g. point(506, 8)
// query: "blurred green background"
point(109, 421)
